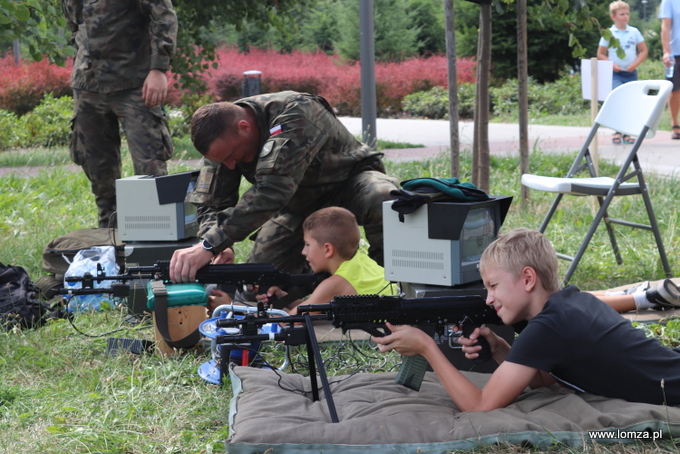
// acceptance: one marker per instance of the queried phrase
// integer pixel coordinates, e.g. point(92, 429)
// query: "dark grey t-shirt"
point(587, 346)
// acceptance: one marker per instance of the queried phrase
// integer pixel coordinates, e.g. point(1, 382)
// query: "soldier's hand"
point(155, 88)
point(186, 262)
point(226, 256)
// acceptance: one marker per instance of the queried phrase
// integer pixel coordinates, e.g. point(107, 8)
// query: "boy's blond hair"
point(615, 6)
point(520, 248)
point(337, 226)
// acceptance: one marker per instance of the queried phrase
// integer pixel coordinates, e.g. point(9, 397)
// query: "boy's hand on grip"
point(475, 345)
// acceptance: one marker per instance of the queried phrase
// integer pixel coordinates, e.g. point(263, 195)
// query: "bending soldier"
point(299, 158)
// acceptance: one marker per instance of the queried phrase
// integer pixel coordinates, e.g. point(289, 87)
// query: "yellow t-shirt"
point(365, 275)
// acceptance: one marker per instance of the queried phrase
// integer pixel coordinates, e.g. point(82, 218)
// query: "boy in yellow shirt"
point(331, 245)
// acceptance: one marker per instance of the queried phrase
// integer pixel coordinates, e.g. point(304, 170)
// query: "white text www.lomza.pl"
point(626, 434)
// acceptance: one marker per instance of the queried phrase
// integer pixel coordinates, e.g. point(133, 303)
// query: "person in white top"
point(633, 44)
point(669, 13)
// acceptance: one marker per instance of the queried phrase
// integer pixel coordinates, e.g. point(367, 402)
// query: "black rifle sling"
point(160, 293)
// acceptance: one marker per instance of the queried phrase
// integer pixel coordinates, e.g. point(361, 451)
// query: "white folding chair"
point(635, 109)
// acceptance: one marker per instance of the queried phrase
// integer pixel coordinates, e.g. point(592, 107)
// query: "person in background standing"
point(669, 13)
point(633, 44)
point(123, 50)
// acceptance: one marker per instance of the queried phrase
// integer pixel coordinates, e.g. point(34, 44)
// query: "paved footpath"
point(659, 154)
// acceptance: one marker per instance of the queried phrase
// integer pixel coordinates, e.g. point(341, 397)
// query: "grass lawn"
point(60, 392)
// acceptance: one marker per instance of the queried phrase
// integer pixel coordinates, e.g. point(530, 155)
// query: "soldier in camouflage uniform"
point(299, 158)
point(123, 49)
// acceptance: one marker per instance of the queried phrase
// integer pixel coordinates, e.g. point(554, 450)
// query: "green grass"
point(33, 211)
point(583, 119)
point(60, 393)
point(35, 157)
point(184, 150)
point(388, 144)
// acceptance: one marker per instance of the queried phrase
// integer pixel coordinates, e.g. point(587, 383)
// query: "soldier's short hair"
point(520, 248)
point(337, 226)
point(211, 122)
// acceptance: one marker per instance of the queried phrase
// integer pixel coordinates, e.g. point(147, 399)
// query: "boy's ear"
point(328, 250)
point(529, 278)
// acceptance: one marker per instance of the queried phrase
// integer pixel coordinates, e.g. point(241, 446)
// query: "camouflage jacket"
point(119, 41)
point(306, 156)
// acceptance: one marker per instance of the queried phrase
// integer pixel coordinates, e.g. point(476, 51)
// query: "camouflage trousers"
point(280, 240)
point(95, 142)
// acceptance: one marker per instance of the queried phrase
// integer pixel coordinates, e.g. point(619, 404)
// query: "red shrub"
point(339, 83)
point(297, 71)
point(23, 86)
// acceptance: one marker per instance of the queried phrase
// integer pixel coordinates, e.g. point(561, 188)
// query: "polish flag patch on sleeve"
point(275, 130)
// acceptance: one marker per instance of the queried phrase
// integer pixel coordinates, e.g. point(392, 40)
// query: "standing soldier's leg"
point(95, 145)
point(364, 195)
point(146, 129)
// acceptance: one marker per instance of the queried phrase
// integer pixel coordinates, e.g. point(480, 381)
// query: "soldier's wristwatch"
point(208, 247)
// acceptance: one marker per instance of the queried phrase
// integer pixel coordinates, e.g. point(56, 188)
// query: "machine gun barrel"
point(88, 279)
point(262, 274)
point(116, 291)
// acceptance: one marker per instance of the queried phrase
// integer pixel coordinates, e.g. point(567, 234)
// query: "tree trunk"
point(368, 86)
point(523, 88)
point(453, 88)
point(474, 172)
point(482, 112)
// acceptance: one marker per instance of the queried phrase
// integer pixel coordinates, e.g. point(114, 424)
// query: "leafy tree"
point(428, 18)
point(554, 39)
point(306, 29)
point(320, 28)
point(652, 36)
point(39, 24)
point(195, 41)
point(396, 34)
point(36, 23)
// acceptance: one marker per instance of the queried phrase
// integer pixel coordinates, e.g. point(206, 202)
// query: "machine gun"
point(263, 275)
point(368, 313)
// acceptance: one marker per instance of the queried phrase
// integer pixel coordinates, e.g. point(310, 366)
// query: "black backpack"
point(19, 302)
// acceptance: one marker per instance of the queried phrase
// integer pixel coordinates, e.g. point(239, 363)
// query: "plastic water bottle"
point(670, 69)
